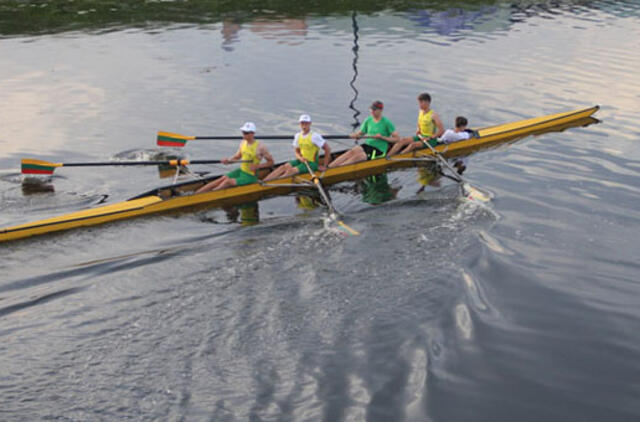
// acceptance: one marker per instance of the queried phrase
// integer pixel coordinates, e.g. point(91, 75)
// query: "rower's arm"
point(267, 156)
point(439, 126)
point(298, 154)
point(356, 135)
point(234, 157)
point(327, 154)
point(393, 138)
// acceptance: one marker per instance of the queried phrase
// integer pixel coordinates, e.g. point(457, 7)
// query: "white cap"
point(248, 127)
point(304, 118)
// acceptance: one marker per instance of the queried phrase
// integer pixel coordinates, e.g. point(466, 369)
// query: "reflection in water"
point(229, 33)
point(35, 185)
point(376, 189)
point(248, 214)
point(34, 17)
point(352, 83)
point(281, 30)
point(455, 19)
point(428, 176)
point(307, 201)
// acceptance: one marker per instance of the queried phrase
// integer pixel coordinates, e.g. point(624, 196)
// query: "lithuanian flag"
point(168, 139)
point(30, 166)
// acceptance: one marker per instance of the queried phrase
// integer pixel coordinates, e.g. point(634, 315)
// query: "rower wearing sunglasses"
point(251, 152)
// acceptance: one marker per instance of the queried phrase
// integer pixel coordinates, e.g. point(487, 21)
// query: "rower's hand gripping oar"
point(468, 190)
point(325, 197)
point(31, 166)
point(169, 139)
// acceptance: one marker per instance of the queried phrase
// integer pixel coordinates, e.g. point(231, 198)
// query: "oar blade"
point(347, 230)
point(30, 166)
point(169, 139)
point(333, 223)
point(475, 194)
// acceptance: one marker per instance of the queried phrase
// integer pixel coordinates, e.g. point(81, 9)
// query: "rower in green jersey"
point(378, 130)
point(251, 152)
point(306, 146)
point(429, 128)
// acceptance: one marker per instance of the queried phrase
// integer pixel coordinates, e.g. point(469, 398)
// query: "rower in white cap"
point(306, 145)
point(250, 152)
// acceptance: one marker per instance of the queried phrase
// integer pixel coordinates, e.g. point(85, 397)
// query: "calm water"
point(442, 310)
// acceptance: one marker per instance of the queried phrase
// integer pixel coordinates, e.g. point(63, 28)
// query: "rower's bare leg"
point(340, 159)
point(286, 171)
point(291, 172)
point(412, 146)
point(228, 183)
point(354, 155)
point(211, 185)
point(279, 172)
point(398, 146)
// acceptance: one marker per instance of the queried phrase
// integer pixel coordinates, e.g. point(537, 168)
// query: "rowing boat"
point(181, 195)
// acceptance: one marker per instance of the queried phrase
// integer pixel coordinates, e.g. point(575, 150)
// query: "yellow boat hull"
point(167, 198)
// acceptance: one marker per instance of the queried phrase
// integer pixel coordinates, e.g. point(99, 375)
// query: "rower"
point(306, 145)
point(460, 133)
point(251, 152)
point(429, 127)
point(378, 130)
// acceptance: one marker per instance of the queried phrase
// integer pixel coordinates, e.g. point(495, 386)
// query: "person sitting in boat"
point(306, 145)
point(429, 128)
point(252, 152)
point(378, 130)
point(459, 133)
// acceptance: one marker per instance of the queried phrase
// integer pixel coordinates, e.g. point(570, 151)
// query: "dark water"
point(442, 310)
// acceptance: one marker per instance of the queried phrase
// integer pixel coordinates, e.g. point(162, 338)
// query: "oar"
point(30, 166)
point(168, 139)
point(470, 191)
point(332, 211)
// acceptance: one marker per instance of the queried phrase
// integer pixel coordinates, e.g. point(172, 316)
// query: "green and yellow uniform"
point(244, 175)
point(309, 145)
point(427, 127)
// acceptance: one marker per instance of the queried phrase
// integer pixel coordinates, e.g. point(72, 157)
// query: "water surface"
point(441, 310)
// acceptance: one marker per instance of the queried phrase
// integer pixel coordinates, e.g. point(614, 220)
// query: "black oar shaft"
point(115, 163)
point(181, 162)
point(231, 138)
